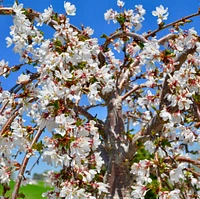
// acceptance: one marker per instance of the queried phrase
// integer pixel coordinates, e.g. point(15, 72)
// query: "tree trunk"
point(119, 181)
point(118, 167)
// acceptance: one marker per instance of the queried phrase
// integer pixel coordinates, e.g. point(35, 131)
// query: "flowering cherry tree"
point(150, 91)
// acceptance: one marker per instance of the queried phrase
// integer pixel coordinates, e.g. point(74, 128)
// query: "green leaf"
point(83, 38)
point(15, 68)
point(55, 104)
point(188, 120)
point(168, 52)
point(165, 142)
point(57, 136)
point(79, 122)
point(104, 36)
point(161, 24)
point(121, 19)
point(57, 42)
point(25, 11)
point(21, 195)
point(188, 20)
point(197, 98)
point(141, 45)
point(35, 64)
point(55, 17)
point(154, 108)
point(82, 65)
point(38, 146)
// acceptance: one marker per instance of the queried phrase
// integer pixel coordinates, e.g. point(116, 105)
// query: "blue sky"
point(91, 13)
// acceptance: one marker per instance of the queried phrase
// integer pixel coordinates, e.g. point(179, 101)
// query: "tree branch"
point(92, 106)
point(156, 122)
point(172, 24)
point(128, 73)
point(184, 159)
point(180, 60)
point(9, 121)
point(166, 38)
point(24, 164)
point(117, 35)
point(4, 106)
point(131, 91)
point(32, 15)
point(99, 123)
point(197, 175)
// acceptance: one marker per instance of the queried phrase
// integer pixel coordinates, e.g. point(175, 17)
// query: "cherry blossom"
point(3, 67)
point(177, 174)
point(70, 9)
point(149, 146)
point(110, 15)
point(46, 16)
point(161, 13)
point(5, 175)
point(23, 79)
point(118, 118)
point(120, 3)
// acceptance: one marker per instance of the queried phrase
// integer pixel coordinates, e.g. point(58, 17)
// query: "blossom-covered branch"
point(120, 119)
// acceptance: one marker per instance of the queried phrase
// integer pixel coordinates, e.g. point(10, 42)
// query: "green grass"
point(30, 191)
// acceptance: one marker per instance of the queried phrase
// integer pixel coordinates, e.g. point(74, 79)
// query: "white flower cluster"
point(132, 18)
point(142, 172)
point(161, 13)
point(157, 80)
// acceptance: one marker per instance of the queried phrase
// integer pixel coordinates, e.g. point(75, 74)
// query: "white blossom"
point(46, 16)
point(161, 13)
point(149, 146)
point(23, 79)
point(177, 174)
point(70, 9)
point(110, 15)
point(120, 3)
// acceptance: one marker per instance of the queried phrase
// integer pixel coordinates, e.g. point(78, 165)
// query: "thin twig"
point(114, 36)
point(172, 24)
point(4, 106)
point(24, 164)
point(9, 121)
point(36, 162)
point(92, 106)
point(166, 38)
point(158, 171)
point(183, 159)
point(196, 175)
point(131, 91)
point(14, 115)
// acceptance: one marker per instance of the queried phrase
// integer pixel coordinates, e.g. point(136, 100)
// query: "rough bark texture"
point(120, 181)
point(118, 168)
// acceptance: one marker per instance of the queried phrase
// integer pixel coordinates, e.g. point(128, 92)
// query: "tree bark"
point(118, 168)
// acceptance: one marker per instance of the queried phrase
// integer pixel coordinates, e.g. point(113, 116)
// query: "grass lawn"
point(33, 191)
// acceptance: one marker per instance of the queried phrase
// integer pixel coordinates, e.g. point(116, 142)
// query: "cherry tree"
point(147, 85)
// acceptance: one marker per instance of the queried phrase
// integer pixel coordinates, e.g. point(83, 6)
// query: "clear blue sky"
point(91, 13)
